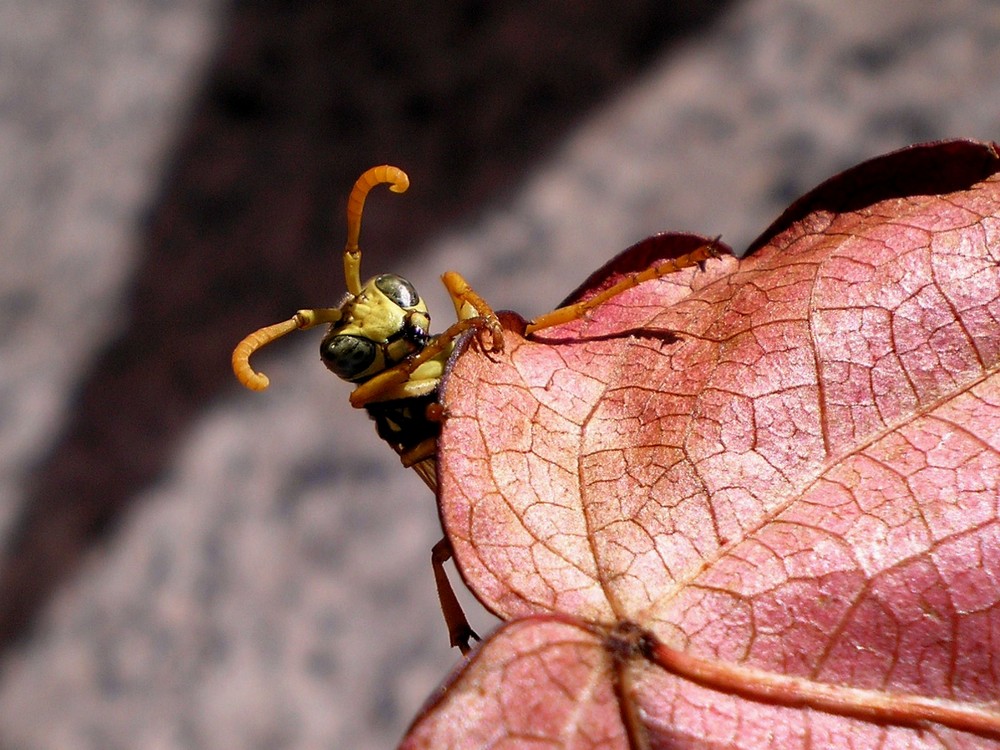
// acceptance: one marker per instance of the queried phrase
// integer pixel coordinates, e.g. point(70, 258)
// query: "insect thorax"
point(403, 423)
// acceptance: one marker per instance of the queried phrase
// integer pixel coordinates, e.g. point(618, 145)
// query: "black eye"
point(347, 356)
point(398, 289)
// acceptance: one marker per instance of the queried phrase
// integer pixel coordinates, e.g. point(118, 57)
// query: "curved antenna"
point(398, 183)
point(302, 320)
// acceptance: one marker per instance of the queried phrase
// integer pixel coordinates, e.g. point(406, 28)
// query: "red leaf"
point(558, 673)
point(783, 473)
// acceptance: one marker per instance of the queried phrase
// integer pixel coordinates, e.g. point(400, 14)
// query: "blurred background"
point(185, 564)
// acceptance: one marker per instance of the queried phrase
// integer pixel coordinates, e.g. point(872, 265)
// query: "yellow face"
point(379, 328)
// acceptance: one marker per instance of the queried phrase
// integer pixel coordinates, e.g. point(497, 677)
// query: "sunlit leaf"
point(782, 473)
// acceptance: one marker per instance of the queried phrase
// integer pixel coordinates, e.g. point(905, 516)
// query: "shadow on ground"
point(299, 99)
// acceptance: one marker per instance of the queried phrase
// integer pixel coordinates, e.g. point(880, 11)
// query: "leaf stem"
point(894, 708)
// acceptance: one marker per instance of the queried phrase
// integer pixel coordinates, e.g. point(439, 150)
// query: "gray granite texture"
point(189, 565)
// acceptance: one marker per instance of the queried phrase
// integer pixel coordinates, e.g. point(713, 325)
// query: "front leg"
point(469, 305)
point(392, 382)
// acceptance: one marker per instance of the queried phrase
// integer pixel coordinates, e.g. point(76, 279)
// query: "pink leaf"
point(780, 474)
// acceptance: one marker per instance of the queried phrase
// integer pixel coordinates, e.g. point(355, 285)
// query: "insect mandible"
point(379, 339)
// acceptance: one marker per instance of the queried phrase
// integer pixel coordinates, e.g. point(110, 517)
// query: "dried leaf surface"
point(783, 469)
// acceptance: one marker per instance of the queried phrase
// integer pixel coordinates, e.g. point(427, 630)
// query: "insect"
point(379, 339)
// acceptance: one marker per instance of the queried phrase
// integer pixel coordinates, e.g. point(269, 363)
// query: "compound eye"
point(398, 289)
point(347, 356)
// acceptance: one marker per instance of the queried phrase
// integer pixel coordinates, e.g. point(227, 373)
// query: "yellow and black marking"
point(379, 339)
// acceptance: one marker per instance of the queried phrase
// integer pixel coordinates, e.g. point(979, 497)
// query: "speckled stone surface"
point(221, 569)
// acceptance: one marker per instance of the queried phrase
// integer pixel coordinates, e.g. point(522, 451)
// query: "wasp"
point(379, 339)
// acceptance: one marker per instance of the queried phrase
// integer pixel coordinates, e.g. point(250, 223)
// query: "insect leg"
point(579, 309)
point(377, 388)
point(469, 305)
point(459, 630)
point(422, 451)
